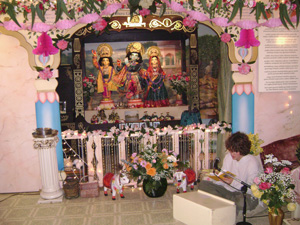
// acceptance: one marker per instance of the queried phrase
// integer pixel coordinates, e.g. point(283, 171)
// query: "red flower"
point(269, 170)
point(100, 24)
point(41, 6)
point(225, 37)
point(187, 79)
point(285, 170)
point(174, 77)
point(265, 185)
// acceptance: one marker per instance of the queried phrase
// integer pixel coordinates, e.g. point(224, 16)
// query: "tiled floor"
point(136, 208)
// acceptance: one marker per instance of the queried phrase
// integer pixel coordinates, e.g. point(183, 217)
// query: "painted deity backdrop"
point(170, 59)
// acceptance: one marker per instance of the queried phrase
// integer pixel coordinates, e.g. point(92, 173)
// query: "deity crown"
point(104, 50)
point(135, 47)
point(153, 51)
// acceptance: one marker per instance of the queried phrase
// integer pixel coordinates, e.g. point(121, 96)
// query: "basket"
point(89, 189)
point(71, 187)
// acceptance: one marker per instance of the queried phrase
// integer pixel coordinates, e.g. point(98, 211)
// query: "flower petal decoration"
point(65, 24)
point(247, 24)
point(45, 46)
point(198, 16)
point(111, 9)
point(274, 22)
point(89, 18)
point(177, 7)
point(41, 27)
point(222, 22)
point(247, 39)
point(11, 25)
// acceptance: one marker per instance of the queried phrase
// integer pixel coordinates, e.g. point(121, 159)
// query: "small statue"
point(115, 183)
point(169, 117)
point(185, 178)
point(129, 78)
point(154, 117)
point(114, 116)
point(156, 94)
point(161, 118)
point(102, 115)
point(105, 75)
point(146, 117)
point(94, 119)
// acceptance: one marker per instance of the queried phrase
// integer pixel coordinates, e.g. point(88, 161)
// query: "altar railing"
point(106, 150)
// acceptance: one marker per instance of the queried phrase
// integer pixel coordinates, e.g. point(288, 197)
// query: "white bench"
point(203, 208)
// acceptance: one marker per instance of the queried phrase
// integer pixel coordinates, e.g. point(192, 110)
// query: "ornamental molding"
point(45, 143)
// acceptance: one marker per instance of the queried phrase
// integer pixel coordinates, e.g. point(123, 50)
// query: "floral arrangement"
point(275, 186)
point(44, 73)
point(89, 86)
point(179, 82)
point(256, 142)
point(151, 164)
point(85, 11)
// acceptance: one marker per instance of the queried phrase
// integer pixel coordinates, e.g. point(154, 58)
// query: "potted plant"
point(179, 83)
point(275, 188)
point(152, 168)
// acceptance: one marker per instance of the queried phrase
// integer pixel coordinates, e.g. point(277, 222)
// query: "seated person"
point(245, 166)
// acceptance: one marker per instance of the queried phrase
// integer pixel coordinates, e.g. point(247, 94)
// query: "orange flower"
point(128, 168)
point(175, 164)
point(148, 166)
point(166, 166)
point(164, 160)
point(151, 172)
point(140, 160)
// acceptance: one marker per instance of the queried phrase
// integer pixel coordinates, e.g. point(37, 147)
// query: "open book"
point(222, 175)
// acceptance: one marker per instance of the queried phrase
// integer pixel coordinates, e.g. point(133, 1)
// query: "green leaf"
point(152, 8)
point(87, 4)
point(258, 12)
point(282, 17)
point(298, 12)
point(215, 4)
point(191, 2)
point(65, 10)
point(234, 11)
point(40, 13)
point(162, 9)
point(134, 3)
point(203, 2)
point(241, 5)
point(32, 14)
point(93, 6)
point(11, 12)
point(286, 15)
point(263, 11)
point(58, 11)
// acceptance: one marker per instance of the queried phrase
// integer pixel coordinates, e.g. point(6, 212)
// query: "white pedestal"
point(203, 208)
point(49, 170)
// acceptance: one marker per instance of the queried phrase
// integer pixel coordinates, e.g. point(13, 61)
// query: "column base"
point(47, 201)
point(51, 195)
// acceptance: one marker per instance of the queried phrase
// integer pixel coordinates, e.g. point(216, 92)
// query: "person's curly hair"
point(238, 142)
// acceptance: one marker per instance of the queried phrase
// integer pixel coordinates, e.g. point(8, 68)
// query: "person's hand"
point(94, 52)
point(227, 179)
point(118, 62)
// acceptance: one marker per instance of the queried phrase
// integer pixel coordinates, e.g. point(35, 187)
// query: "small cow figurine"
point(115, 182)
point(182, 179)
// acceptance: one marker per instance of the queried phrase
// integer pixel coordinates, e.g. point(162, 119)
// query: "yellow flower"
point(254, 187)
point(265, 201)
point(291, 206)
point(257, 194)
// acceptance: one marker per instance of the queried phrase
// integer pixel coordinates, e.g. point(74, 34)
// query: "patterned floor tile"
point(101, 220)
point(135, 218)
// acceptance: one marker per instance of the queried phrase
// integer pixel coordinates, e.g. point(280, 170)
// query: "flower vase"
point(153, 188)
point(90, 104)
point(178, 99)
point(276, 219)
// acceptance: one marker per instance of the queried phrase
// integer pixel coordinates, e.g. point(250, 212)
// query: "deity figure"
point(131, 75)
point(105, 75)
point(156, 94)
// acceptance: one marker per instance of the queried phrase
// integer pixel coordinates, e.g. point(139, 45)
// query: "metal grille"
point(132, 144)
point(212, 148)
point(110, 155)
point(164, 141)
point(186, 148)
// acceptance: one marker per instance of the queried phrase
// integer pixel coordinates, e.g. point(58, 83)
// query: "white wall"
point(19, 165)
